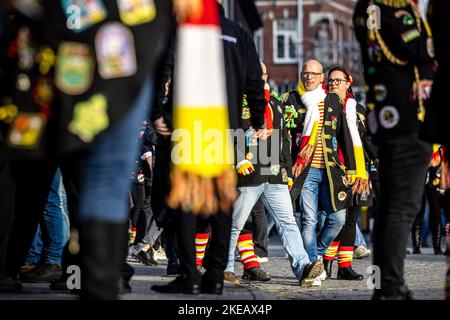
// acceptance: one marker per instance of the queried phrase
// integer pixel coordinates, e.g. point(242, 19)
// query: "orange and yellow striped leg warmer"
point(345, 256)
point(331, 251)
point(201, 241)
point(132, 235)
point(246, 249)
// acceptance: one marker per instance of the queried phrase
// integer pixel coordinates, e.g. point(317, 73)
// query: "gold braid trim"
point(395, 3)
point(387, 53)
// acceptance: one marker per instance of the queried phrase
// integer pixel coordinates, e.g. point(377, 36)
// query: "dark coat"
point(338, 150)
point(390, 85)
point(280, 171)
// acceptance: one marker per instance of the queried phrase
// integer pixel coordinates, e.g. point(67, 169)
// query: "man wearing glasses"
point(323, 156)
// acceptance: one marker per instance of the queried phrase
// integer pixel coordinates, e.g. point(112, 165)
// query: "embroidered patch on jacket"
point(410, 35)
point(134, 12)
point(26, 130)
point(380, 92)
point(116, 56)
point(389, 117)
point(82, 14)
point(342, 196)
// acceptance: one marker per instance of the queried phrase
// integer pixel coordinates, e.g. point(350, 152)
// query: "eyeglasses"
point(337, 81)
point(311, 74)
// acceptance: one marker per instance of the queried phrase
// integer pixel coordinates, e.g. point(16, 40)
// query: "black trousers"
point(6, 205)
point(348, 232)
point(216, 256)
point(403, 166)
point(259, 228)
point(141, 214)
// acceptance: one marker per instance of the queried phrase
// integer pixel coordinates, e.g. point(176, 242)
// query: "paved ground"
point(424, 274)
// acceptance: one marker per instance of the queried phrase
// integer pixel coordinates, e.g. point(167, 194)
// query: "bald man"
point(318, 125)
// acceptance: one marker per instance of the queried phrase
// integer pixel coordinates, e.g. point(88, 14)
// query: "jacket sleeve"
point(254, 85)
point(344, 138)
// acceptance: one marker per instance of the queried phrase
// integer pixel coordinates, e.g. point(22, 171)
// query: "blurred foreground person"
point(397, 53)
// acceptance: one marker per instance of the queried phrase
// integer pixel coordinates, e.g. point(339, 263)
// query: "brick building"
point(326, 34)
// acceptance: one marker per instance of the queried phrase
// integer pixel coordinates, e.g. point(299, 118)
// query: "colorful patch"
point(90, 118)
point(245, 113)
point(249, 156)
point(372, 122)
point(380, 92)
point(410, 35)
point(116, 55)
point(134, 12)
point(74, 68)
point(23, 82)
point(342, 196)
point(344, 180)
point(42, 92)
point(22, 48)
point(83, 14)
point(407, 18)
point(26, 131)
point(46, 59)
point(290, 114)
point(389, 117)
point(333, 122)
point(298, 138)
point(250, 138)
point(275, 169)
point(371, 70)
point(334, 143)
point(284, 175)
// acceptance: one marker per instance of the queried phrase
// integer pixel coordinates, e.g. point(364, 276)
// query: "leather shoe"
point(400, 293)
point(177, 286)
point(348, 273)
point(7, 284)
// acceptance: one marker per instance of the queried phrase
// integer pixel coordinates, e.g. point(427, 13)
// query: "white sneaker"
point(361, 252)
point(160, 254)
point(263, 259)
point(323, 276)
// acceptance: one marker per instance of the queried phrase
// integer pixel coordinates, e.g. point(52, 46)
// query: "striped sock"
point(345, 256)
point(331, 251)
point(201, 240)
point(132, 235)
point(246, 249)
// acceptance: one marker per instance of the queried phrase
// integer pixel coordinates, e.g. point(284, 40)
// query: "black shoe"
point(310, 272)
point(417, 251)
point(328, 267)
point(348, 273)
point(256, 274)
point(212, 287)
point(201, 270)
point(45, 273)
point(177, 286)
point(401, 293)
point(146, 258)
point(124, 286)
point(438, 251)
point(60, 283)
point(173, 269)
point(8, 285)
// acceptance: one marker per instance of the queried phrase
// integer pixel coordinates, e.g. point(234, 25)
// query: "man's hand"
point(161, 127)
point(245, 167)
point(187, 9)
point(297, 169)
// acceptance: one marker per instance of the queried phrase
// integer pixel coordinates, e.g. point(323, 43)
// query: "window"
point(285, 41)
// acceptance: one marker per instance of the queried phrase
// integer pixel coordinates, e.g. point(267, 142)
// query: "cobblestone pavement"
point(425, 275)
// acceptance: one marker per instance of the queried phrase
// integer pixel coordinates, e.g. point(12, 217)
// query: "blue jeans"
point(104, 193)
point(359, 239)
point(277, 200)
point(53, 232)
point(316, 187)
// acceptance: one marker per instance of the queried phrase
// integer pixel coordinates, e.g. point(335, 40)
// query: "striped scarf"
point(311, 100)
point(351, 117)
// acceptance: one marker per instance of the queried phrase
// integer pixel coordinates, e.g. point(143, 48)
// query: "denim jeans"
point(53, 232)
point(359, 240)
point(277, 200)
point(104, 193)
point(315, 188)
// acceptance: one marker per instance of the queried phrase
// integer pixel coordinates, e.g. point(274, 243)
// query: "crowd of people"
point(89, 175)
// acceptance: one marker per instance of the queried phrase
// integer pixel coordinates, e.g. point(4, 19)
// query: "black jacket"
point(390, 85)
point(279, 171)
point(336, 140)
